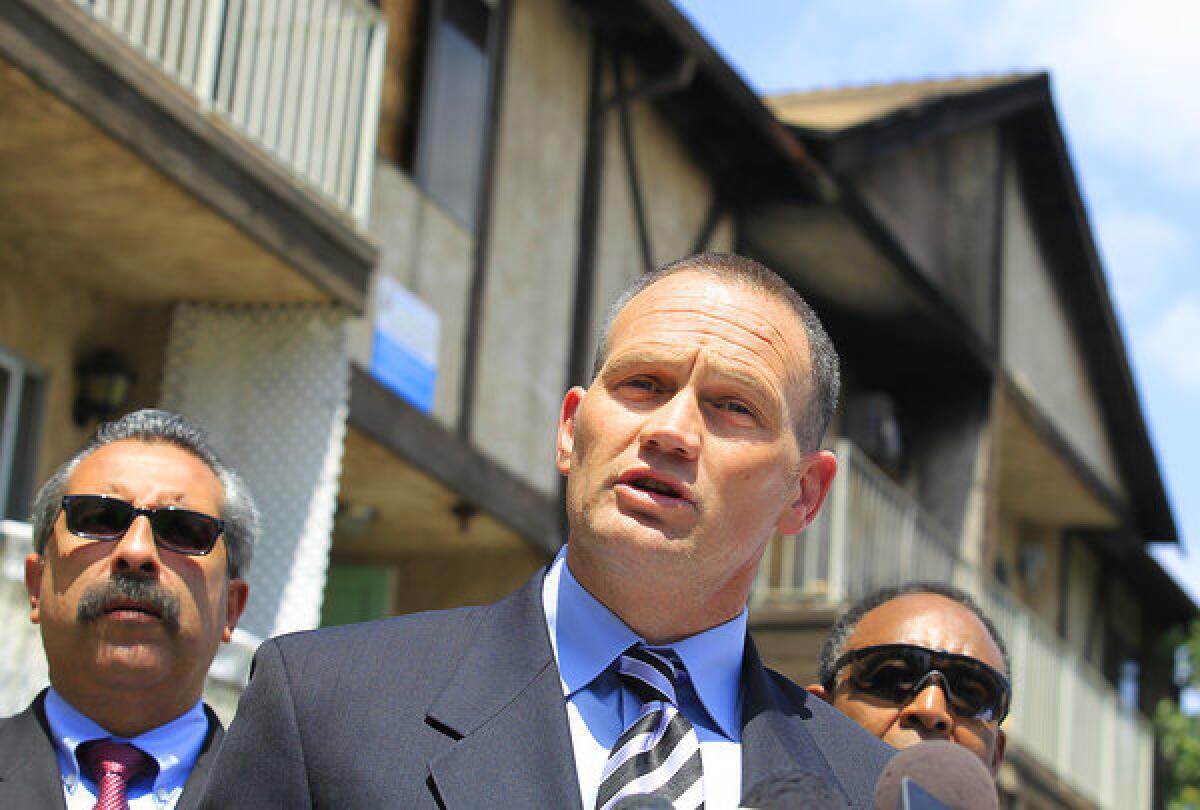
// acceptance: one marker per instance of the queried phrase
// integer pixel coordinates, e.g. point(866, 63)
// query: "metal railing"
point(872, 533)
point(300, 78)
point(23, 665)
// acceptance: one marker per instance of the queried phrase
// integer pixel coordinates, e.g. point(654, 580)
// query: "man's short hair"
point(847, 623)
point(824, 379)
point(159, 427)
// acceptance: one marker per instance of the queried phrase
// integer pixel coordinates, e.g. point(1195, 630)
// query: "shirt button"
point(162, 794)
point(70, 780)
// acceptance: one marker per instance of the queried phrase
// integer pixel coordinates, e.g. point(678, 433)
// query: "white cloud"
point(1172, 346)
point(1123, 74)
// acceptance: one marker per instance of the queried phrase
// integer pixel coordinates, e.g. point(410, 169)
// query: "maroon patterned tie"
point(113, 765)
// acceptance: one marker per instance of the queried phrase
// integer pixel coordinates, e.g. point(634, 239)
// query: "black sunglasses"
point(101, 517)
point(897, 672)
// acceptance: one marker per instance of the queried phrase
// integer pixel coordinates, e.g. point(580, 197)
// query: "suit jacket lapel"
point(775, 734)
point(193, 789)
point(29, 774)
point(505, 707)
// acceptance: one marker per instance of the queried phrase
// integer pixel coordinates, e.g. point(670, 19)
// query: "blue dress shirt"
point(587, 637)
point(174, 746)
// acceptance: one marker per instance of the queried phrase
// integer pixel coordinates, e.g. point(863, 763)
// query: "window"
point(454, 106)
point(20, 421)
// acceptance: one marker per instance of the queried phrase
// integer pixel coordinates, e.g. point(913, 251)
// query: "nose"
point(674, 427)
point(135, 551)
point(929, 710)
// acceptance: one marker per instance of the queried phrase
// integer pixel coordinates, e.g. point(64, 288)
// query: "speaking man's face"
point(682, 457)
point(126, 613)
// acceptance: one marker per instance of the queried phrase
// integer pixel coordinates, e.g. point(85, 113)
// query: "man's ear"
point(565, 441)
point(817, 690)
point(237, 592)
point(34, 565)
point(811, 488)
point(998, 752)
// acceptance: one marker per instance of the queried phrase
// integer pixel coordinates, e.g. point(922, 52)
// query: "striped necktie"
point(113, 765)
point(660, 752)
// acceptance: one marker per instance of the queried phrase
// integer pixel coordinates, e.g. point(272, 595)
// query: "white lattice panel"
point(23, 664)
point(271, 384)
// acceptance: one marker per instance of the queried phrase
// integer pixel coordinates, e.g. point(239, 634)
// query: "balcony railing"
point(871, 533)
point(300, 78)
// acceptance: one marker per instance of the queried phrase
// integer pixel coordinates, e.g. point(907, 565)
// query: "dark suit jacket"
point(464, 708)
point(29, 775)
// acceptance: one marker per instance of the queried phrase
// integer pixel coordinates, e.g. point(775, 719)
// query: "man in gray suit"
point(625, 667)
point(131, 612)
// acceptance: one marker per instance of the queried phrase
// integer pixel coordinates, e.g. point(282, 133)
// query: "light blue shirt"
point(174, 746)
point(587, 637)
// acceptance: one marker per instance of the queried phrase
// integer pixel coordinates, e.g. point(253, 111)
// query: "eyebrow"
point(738, 374)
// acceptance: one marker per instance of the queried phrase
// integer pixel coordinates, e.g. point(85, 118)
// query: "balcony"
point(1065, 715)
point(300, 78)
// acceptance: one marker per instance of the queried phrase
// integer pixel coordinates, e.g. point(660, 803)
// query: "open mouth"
point(654, 485)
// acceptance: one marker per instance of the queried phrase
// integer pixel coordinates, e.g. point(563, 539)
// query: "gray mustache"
point(99, 597)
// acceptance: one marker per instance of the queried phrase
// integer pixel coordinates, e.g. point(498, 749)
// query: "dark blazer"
point(29, 775)
point(464, 708)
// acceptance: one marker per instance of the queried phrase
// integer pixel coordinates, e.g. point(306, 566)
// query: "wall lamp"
point(103, 382)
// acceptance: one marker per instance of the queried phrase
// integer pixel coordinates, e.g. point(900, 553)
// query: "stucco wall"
point(534, 233)
point(676, 195)
point(1038, 347)
point(939, 199)
point(53, 324)
point(430, 253)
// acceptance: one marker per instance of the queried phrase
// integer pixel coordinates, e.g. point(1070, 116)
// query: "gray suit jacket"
point(464, 708)
point(29, 775)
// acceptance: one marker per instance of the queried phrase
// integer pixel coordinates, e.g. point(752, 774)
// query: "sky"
point(1123, 78)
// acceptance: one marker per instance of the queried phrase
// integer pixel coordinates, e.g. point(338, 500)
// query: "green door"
point(356, 593)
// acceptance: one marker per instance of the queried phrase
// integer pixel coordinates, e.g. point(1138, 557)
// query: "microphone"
point(934, 775)
point(643, 801)
point(788, 790)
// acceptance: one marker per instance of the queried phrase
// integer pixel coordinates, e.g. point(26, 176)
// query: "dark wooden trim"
point(590, 192)
point(629, 153)
point(1064, 236)
point(716, 209)
point(999, 223)
point(413, 436)
point(64, 51)
point(498, 47)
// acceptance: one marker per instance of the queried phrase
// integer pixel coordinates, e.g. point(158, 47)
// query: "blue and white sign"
point(404, 354)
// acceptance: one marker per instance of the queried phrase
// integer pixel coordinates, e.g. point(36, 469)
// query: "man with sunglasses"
point(141, 541)
point(919, 662)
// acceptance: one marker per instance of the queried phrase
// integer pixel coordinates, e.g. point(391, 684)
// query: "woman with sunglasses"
point(919, 662)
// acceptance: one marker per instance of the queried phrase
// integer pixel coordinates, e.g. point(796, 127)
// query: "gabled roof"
point(845, 127)
point(841, 108)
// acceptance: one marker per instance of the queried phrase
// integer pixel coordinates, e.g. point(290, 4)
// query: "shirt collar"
point(713, 658)
point(174, 746)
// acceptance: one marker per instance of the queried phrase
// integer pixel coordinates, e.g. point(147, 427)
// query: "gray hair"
point(847, 623)
point(152, 427)
point(825, 379)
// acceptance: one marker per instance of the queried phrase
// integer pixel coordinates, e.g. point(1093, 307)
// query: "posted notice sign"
point(404, 351)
